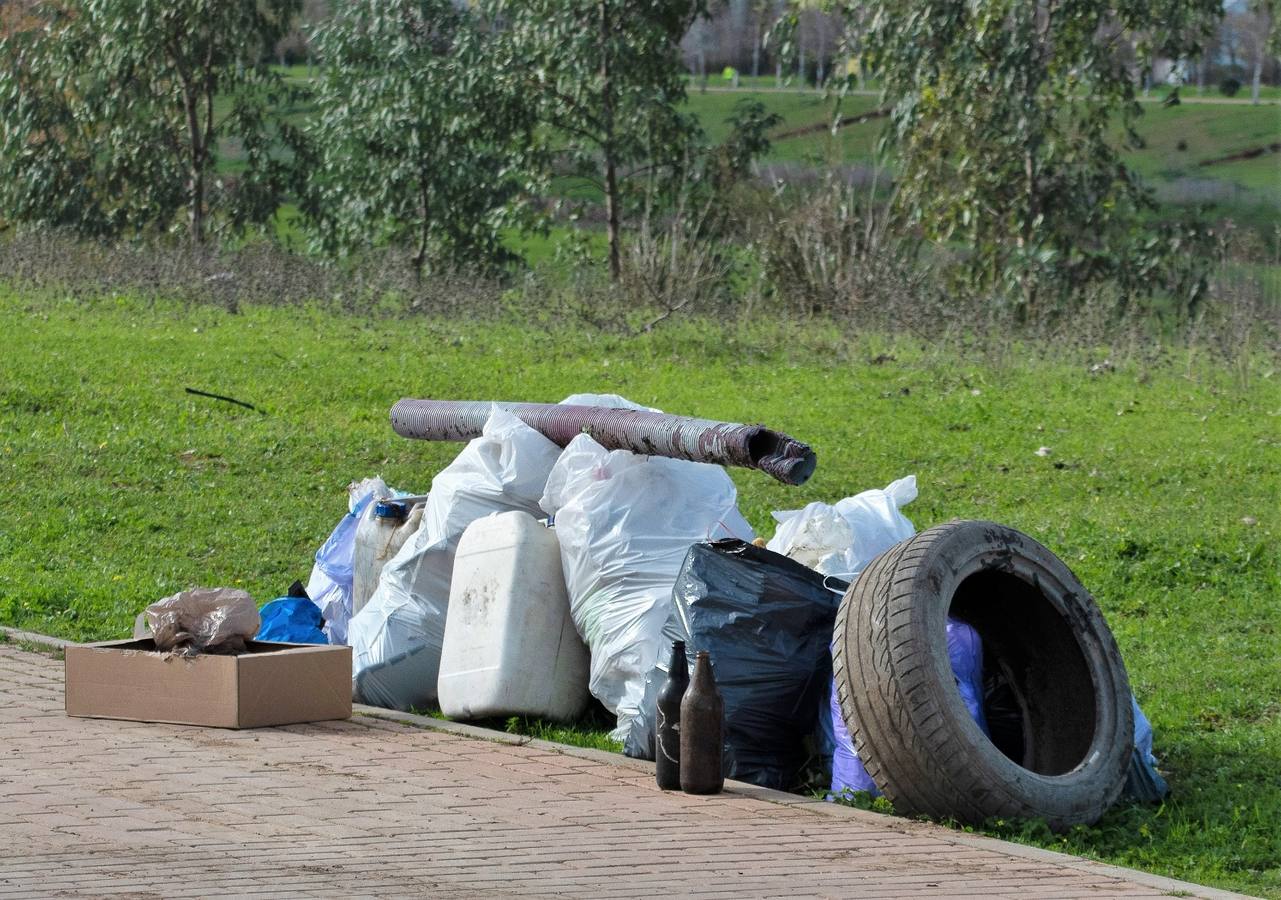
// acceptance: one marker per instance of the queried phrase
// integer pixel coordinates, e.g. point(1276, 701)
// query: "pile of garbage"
point(563, 553)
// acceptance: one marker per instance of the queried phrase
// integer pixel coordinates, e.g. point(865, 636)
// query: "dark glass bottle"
point(702, 731)
point(667, 721)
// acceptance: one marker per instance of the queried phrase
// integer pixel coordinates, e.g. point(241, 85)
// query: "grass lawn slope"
point(1160, 487)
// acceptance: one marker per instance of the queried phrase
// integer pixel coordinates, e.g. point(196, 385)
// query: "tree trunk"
point(424, 228)
point(1027, 277)
point(196, 172)
point(608, 149)
point(1256, 77)
point(756, 51)
point(611, 215)
point(820, 55)
point(198, 206)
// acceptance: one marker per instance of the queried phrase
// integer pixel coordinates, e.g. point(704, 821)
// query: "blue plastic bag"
point(965, 649)
point(1143, 782)
point(291, 620)
point(331, 577)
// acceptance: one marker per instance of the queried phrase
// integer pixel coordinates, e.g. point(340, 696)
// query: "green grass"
point(854, 143)
point(591, 730)
point(1267, 93)
point(1208, 131)
point(1246, 191)
point(764, 82)
point(119, 488)
point(790, 83)
point(32, 647)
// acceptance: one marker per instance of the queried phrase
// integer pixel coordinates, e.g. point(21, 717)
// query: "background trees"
point(1005, 118)
point(417, 141)
point(440, 128)
point(606, 80)
point(115, 109)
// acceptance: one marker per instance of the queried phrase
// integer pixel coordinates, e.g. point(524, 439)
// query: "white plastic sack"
point(877, 521)
point(612, 401)
point(396, 638)
point(816, 536)
point(625, 523)
point(873, 522)
point(329, 586)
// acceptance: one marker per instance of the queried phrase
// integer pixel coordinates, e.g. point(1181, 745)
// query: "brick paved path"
point(372, 807)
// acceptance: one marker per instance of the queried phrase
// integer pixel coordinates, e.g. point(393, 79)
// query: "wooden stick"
point(224, 399)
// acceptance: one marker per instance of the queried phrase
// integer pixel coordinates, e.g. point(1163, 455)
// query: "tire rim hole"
point(1039, 697)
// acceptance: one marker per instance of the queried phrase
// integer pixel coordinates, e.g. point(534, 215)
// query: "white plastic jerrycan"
point(510, 645)
point(385, 526)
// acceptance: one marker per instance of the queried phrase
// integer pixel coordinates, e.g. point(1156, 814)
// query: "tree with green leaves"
point(114, 113)
point(1005, 120)
point(416, 141)
point(606, 79)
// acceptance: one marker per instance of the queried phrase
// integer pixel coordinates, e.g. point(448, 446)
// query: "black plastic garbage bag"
point(767, 623)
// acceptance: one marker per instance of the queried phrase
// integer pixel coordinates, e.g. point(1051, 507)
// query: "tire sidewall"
point(957, 551)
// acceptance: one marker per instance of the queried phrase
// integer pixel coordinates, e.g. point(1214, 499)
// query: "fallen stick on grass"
point(191, 390)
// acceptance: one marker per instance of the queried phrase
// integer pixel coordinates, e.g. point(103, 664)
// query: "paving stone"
point(372, 807)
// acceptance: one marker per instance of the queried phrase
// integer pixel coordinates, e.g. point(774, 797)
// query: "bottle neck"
point(679, 664)
point(703, 679)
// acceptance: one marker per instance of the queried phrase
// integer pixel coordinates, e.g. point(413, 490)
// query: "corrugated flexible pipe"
point(641, 431)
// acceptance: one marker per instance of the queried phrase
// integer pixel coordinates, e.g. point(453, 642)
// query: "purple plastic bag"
point(965, 649)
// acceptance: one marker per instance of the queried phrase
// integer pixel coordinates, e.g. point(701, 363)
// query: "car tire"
point(1043, 635)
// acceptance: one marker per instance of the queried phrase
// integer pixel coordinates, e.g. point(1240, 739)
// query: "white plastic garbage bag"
point(329, 586)
point(612, 401)
point(877, 521)
point(396, 638)
point(625, 523)
point(873, 522)
point(816, 536)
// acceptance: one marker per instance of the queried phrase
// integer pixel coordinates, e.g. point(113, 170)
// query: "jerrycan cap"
point(390, 509)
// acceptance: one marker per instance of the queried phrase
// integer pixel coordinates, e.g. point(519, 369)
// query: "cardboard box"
point(272, 684)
